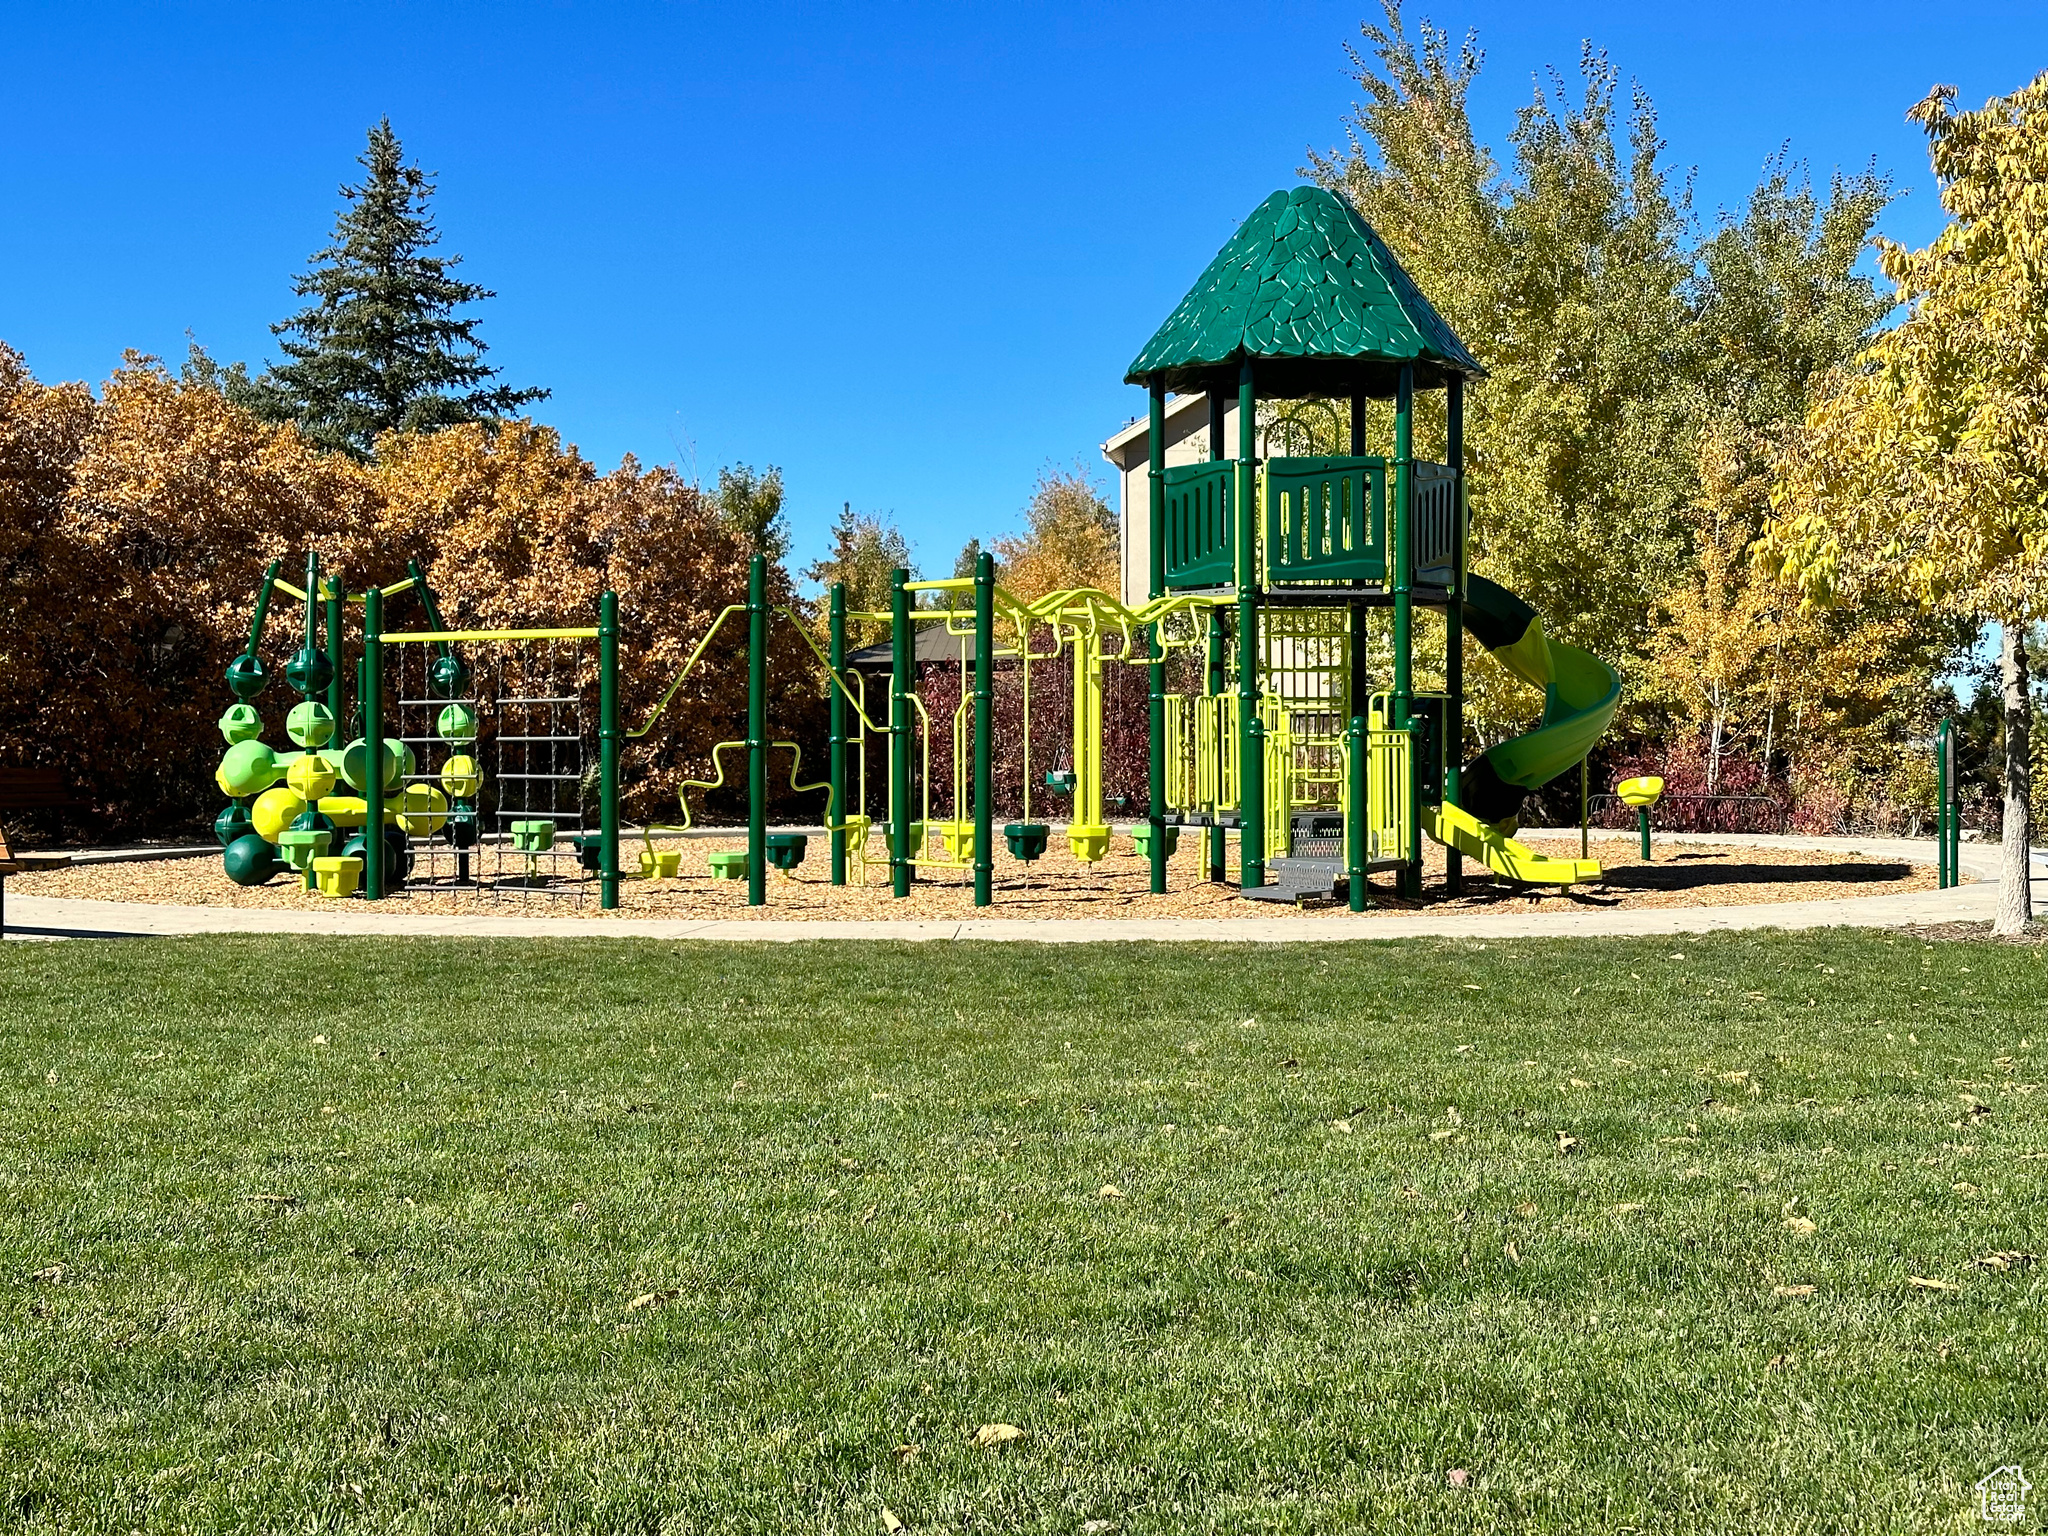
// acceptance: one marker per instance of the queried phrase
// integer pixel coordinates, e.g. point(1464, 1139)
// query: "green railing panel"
point(1326, 519)
point(1201, 548)
point(1435, 523)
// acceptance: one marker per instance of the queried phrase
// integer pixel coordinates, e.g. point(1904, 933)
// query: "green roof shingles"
point(1305, 278)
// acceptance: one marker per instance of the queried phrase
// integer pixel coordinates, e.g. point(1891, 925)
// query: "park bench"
point(25, 789)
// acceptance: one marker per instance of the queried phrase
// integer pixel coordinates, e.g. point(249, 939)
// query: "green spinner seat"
point(533, 836)
point(786, 849)
point(729, 864)
point(1142, 836)
point(300, 849)
point(1027, 839)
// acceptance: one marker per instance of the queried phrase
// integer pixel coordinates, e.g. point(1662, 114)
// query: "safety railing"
point(1433, 523)
point(1201, 543)
point(1386, 798)
point(1326, 519)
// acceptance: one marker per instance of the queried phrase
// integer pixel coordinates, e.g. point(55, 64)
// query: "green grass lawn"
point(604, 1235)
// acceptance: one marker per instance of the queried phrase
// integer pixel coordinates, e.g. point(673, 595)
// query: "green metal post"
point(1251, 751)
point(425, 594)
point(1404, 619)
point(835, 761)
point(1155, 767)
point(1219, 450)
point(1944, 873)
point(608, 750)
point(984, 729)
point(1643, 822)
point(373, 744)
point(312, 601)
point(263, 605)
point(757, 732)
point(1354, 813)
point(900, 682)
point(1955, 814)
point(337, 687)
point(1454, 623)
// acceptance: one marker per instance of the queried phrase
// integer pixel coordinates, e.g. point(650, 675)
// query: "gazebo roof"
point(1308, 292)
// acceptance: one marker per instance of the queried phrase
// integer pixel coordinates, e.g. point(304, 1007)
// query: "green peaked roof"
point(1306, 284)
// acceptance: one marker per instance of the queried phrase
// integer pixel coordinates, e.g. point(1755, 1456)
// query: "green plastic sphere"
point(448, 676)
point(457, 723)
point(309, 670)
point(249, 860)
point(231, 823)
point(246, 676)
point(314, 821)
point(397, 855)
point(398, 763)
point(241, 723)
point(310, 724)
point(248, 769)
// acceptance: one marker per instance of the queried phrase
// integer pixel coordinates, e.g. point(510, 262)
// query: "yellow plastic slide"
point(1502, 854)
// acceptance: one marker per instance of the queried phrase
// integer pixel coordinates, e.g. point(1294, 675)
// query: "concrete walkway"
point(31, 917)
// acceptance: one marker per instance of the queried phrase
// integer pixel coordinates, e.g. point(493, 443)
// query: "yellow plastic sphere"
point(422, 810)
point(311, 776)
point(460, 778)
point(274, 810)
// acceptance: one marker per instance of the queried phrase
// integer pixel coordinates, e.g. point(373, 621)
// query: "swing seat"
point(958, 839)
point(786, 849)
point(1142, 836)
point(661, 863)
point(1027, 839)
point(1090, 844)
point(729, 864)
point(533, 836)
point(338, 876)
point(1060, 781)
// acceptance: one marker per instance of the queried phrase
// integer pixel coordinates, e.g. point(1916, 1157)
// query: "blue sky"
point(903, 251)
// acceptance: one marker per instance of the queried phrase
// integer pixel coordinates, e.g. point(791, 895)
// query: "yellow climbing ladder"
point(1502, 854)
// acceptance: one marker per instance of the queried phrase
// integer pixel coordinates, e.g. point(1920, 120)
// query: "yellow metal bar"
point(288, 589)
point(688, 666)
point(406, 586)
point(423, 636)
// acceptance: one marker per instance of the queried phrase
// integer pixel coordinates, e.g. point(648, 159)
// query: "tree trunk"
point(2015, 891)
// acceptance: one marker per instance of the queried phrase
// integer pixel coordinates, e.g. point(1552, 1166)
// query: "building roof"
point(933, 645)
point(1312, 295)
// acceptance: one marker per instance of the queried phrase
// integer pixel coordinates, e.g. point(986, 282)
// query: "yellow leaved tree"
point(1924, 470)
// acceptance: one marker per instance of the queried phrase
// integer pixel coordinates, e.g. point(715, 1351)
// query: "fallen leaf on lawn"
point(1341, 1125)
point(1098, 1527)
point(648, 1299)
point(1922, 1283)
point(1526, 1208)
point(907, 1452)
point(1782, 1362)
point(2004, 1259)
point(272, 1199)
point(54, 1275)
point(1566, 1142)
point(1109, 1192)
point(1514, 1254)
point(889, 1520)
point(319, 1040)
point(1801, 1225)
point(997, 1434)
point(1963, 1187)
point(1441, 1135)
point(1457, 1477)
point(1792, 1290)
point(1627, 1209)
point(1580, 1082)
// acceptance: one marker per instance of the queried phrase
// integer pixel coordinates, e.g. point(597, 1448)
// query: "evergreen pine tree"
point(381, 348)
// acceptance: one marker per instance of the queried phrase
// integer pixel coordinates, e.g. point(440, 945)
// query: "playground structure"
point(483, 779)
point(1265, 576)
point(1270, 571)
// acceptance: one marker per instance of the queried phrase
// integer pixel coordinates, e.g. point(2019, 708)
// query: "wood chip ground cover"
point(1059, 886)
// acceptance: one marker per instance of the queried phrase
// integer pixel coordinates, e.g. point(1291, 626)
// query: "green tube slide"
point(1580, 692)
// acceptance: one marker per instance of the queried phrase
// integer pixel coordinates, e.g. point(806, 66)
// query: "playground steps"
point(1290, 880)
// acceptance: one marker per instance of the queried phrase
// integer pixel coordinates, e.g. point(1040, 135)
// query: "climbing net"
point(499, 796)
